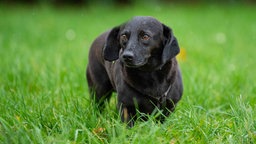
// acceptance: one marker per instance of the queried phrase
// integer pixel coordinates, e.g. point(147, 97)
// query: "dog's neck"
point(151, 83)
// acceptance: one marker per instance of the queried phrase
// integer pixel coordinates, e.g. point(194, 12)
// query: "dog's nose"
point(128, 56)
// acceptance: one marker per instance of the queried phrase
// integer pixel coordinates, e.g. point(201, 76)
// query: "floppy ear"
point(112, 46)
point(171, 47)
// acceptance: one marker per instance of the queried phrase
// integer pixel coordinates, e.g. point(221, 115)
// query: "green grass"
point(43, 91)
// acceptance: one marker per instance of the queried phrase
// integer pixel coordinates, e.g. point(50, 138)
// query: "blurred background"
point(44, 46)
point(44, 43)
point(122, 2)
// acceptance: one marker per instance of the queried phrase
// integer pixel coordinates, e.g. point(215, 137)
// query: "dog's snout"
point(128, 56)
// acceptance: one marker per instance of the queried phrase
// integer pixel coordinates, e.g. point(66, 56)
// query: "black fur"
point(136, 60)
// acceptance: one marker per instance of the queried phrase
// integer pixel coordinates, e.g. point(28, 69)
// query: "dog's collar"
point(162, 100)
point(169, 88)
point(160, 67)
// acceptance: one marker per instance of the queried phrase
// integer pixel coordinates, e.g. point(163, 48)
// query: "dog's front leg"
point(128, 114)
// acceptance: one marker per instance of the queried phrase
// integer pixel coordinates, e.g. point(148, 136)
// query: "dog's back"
point(97, 77)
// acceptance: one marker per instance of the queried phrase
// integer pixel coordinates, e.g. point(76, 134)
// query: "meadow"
point(44, 96)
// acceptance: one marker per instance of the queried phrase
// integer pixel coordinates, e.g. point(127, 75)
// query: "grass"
point(43, 91)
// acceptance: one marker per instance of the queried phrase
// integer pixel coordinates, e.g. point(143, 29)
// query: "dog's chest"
point(150, 84)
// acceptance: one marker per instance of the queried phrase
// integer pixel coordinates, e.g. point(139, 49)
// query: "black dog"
point(136, 60)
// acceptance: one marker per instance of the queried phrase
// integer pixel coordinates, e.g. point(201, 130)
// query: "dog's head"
point(143, 42)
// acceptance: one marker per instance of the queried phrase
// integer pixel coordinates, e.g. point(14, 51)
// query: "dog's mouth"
point(132, 61)
point(133, 64)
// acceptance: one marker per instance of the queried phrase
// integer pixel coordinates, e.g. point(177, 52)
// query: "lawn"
point(43, 91)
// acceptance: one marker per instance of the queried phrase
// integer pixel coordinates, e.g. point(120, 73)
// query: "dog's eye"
point(123, 38)
point(145, 37)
